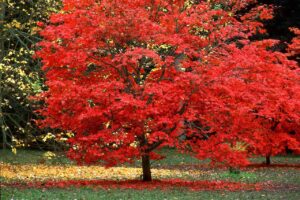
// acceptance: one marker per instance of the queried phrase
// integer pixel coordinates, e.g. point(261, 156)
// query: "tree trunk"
point(268, 160)
point(146, 168)
point(233, 170)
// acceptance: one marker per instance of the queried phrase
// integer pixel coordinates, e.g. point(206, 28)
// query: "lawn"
point(35, 166)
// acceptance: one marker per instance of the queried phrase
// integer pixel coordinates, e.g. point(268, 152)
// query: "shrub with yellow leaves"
point(20, 74)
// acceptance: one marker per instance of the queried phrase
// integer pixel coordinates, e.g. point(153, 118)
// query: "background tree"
point(20, 75)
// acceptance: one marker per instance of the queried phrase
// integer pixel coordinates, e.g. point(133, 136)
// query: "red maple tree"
point(129, 77)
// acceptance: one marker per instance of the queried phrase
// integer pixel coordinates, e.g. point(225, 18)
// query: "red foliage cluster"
point(294, 47)
point(138, 185)
point(128, 77)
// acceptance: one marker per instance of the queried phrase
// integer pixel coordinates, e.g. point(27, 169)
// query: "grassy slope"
point(278, 175)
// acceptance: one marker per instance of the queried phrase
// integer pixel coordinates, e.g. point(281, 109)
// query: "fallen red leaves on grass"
point(140, 185)
point(257, 165)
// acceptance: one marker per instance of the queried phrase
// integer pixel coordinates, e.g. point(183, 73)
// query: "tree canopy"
point(129, 77)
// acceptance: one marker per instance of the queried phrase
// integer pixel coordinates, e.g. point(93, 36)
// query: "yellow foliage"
point(48, 136)
point(67, 172)
point(14, 150)
point(240, 146)
point(14, 24)
point(49, 155)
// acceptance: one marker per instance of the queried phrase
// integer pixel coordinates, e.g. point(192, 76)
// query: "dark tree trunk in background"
point(146, 168)
point(268, 160)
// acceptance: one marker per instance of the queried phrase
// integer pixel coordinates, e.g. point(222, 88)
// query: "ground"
point(32, 175)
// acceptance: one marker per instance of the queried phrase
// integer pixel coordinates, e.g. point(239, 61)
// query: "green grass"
point(288, 159)
point(37, 157)
point(33, 157)
point(241, 177)
point(174, 160)
point(117, 194)
point(281, 176)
